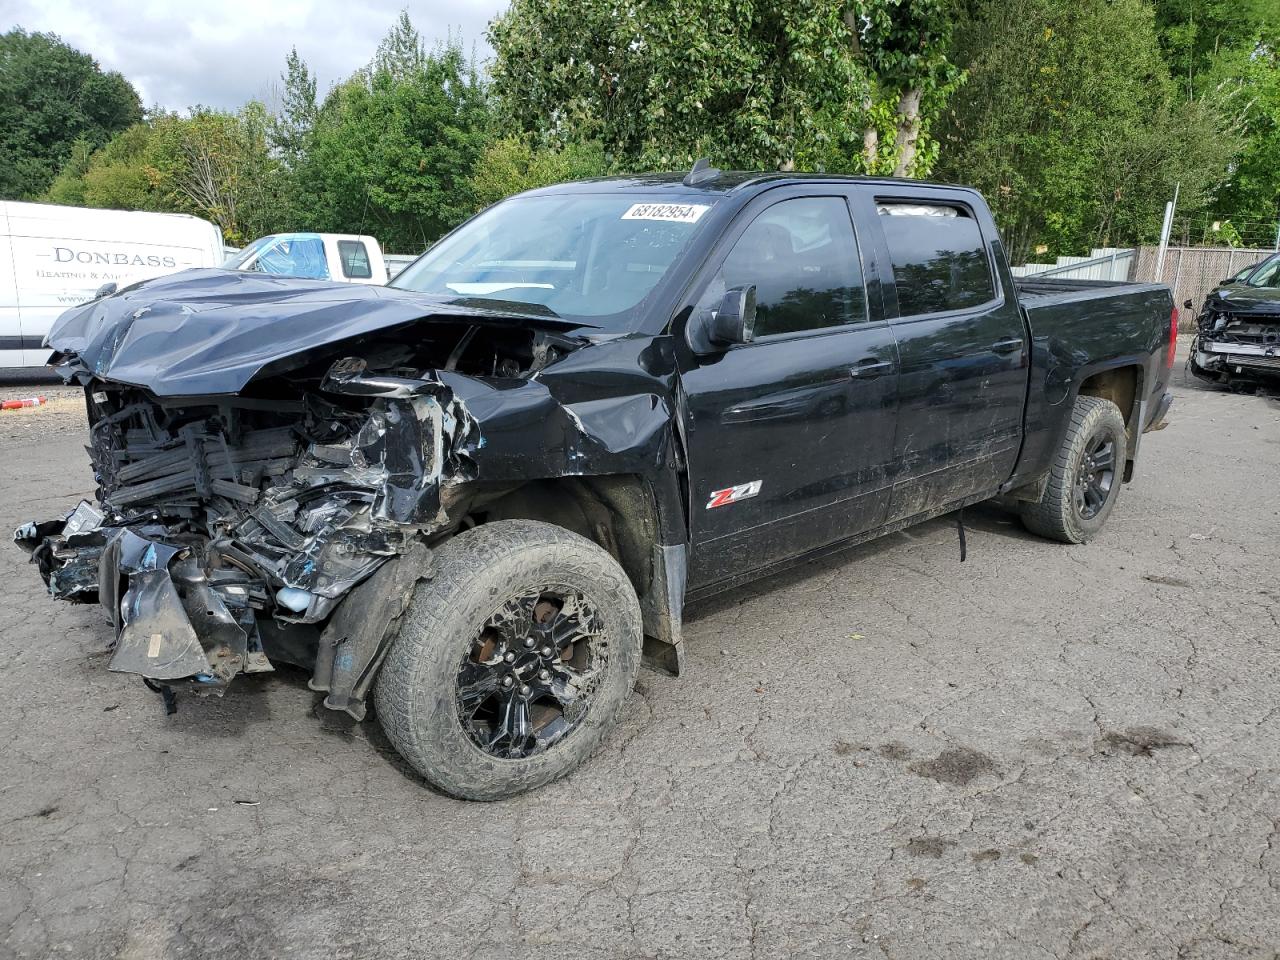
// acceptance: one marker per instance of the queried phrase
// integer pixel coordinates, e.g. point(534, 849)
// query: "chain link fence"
point(1193, 271)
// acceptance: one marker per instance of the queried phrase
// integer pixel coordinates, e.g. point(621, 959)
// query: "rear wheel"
point(512, 662)
point(1085, 478)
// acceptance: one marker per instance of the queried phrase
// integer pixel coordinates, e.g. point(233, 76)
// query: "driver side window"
point(1268, 276)
point(802, 257)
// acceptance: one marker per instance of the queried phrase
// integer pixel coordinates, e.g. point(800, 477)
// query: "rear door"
point(789, 437)
point(962, 348)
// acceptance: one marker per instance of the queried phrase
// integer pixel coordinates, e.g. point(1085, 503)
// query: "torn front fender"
point(529, 434)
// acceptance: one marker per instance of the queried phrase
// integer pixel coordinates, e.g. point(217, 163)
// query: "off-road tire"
point(473, 575)
point(1055, 515)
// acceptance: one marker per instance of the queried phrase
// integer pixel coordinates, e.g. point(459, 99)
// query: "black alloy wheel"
point(529, 678)
point(1095, 476)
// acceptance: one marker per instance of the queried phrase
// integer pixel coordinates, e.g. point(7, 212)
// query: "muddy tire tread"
point(1054, 515)
point(414, 693)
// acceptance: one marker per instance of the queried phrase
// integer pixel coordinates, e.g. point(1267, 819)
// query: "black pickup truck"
point(480, 496)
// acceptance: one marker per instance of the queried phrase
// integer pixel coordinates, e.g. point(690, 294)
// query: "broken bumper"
point(155, 593)
point(219, 537)
point(1217, 358)
point(182, 619)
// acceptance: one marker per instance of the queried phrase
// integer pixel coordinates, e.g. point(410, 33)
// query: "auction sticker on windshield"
point(674, 212)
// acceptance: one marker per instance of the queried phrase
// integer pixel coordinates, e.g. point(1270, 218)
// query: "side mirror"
point(1188, 305)
point(734, 321)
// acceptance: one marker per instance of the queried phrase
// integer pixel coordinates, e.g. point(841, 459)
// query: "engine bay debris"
point(215, 514)
point(1237, 338)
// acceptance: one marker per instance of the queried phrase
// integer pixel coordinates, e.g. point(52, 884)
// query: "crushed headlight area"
point(228, 531)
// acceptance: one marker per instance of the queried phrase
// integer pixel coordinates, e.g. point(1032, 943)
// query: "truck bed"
point(1036, 290)
point(1087, 326)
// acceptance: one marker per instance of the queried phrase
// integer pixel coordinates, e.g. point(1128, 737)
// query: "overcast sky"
point(222, 54)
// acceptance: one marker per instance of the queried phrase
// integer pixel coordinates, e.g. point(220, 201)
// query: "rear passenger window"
point(802, 258)
point(939, 260)
point(355, 260)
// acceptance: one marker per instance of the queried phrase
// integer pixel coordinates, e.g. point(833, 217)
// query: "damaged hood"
point(207, 332)
point(1245, 300)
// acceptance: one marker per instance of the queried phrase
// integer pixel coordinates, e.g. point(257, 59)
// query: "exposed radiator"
point(1243, 360)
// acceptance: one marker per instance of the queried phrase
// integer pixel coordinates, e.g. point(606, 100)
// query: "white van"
point(53, 257)
point(315, 256)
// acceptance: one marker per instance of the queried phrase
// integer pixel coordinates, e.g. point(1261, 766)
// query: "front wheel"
point(1085, 478)
point(512, 662)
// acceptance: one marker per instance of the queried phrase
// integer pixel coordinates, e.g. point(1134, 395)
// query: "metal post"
point(1177, 277)
point(1165, 230)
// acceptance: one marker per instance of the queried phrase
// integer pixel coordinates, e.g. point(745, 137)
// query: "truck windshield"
point(245, 254)
point(283, 255)
point(588, 257)
point(1266, 274)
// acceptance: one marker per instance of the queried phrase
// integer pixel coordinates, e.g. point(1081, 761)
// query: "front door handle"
point(871, 367)
point(1007, 346)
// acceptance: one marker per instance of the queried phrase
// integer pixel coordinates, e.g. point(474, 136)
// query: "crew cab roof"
point(728, 182)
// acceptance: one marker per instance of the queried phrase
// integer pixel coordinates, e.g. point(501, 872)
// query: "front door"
point(790, 436)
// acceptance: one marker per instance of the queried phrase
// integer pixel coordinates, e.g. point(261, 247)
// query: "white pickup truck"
point(314, 256)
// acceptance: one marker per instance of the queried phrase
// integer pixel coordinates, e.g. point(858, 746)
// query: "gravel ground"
point(1045, 752)
point(62, 413)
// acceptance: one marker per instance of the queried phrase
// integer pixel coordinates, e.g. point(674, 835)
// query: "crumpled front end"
point(276, 458)
point(1237, 342)
point(232, 526)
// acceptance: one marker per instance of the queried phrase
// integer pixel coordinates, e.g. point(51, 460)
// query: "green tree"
point(68, 186)
point(1070, 124)
point(393, 148)
point(212, 164)
point(1252, 191)
point(290, 133)
point(218, 166)
point(1195, 34)
point(292, 123)
point(401, 53)
point(513, 164)
point(1225, 52)
point(51, 98)
point(851, 86)
point(117, 176)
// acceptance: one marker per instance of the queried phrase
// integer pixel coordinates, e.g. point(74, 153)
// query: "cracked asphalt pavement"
point(1047, 751)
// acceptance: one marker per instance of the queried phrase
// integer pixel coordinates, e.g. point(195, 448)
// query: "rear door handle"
point(1007, 346)
point(871, 367)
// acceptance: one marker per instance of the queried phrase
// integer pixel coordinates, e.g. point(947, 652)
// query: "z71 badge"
point(743, 491)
